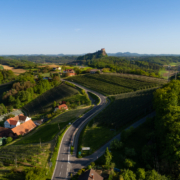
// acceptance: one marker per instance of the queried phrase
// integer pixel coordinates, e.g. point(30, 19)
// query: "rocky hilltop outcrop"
point(89, 56)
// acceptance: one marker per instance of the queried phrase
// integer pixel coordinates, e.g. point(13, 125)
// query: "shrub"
point(9, 139)
point(1, 164)
point(116, 144)
point(92, 164)
point(129, 163)
point(89, 167)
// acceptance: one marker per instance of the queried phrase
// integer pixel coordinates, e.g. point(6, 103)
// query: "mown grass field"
point(122, 112)
point(45, 101)
point(110, 84)
point(49, 130)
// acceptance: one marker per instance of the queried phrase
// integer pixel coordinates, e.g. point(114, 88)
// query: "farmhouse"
point(23, 128)
point(16, 121)
point(57, 68)
point(90, 175)
point(69, 72)
point(61, 107)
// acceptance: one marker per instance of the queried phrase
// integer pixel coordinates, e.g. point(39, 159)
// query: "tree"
point(153, 175)
point(129, 163)
point(141, 174)
point(128, 175)
point(9, 139)
point(54, 104)
point(18, 103)
point(108, 157)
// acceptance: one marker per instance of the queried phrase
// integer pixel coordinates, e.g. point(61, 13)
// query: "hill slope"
point(89, 56)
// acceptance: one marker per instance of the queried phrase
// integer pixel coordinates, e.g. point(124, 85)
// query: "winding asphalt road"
point(67, 163)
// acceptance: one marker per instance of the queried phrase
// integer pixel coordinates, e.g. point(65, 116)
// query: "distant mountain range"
point(118, 54)
point(126, 54)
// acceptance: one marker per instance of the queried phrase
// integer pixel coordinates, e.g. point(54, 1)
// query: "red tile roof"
point(63, 106)
point(12, 121)
point(24, 128)
point(90, 175)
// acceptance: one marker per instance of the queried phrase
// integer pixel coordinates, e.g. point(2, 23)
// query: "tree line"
point(26, 88)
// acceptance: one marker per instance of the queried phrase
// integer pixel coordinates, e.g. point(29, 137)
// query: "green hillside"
point(123, 111)
point(45, 101)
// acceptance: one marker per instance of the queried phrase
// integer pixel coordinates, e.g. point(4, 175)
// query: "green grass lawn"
point(161, 72)
point(48, 131)
point(121, 113)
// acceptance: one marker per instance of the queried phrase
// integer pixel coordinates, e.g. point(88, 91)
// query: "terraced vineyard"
point(109, 84)
point(123, 111)
point(125, 108)
point(45, 100)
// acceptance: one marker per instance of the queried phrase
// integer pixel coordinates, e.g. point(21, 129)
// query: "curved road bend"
point(63, 163)
point(67, 163)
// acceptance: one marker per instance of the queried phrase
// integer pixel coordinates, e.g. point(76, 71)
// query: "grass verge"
point(55, 153)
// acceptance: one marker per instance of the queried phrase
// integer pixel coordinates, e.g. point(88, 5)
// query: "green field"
point(49, 130)
point(123, 111)
point(109, 84)
point(45, 101)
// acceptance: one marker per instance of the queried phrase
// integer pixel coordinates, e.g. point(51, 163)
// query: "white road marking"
point(60, 173)
point(61, 166)
point(63, 158)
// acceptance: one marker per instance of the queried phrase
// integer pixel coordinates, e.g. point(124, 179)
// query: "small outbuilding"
point(61, 107)
point(90, 175)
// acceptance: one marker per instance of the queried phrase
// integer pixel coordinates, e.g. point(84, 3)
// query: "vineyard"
point(109, 84)
point(45, 100)
point(125, 109)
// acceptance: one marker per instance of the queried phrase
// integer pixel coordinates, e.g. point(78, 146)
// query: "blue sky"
point(83, 26)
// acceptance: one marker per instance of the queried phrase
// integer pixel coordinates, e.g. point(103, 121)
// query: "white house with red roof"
point(11, 123)
point(61, 107)
point(16, 121)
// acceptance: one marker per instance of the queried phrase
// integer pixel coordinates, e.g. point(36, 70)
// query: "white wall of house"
point(27, 118)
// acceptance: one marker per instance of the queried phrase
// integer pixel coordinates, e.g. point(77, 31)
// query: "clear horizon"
point(80, 27)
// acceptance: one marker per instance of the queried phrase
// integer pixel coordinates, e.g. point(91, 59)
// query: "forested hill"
point(44, 58)
point(99, 54)
point(161, 60)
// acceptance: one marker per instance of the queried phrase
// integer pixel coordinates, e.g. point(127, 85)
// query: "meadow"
point(122, 112)
point(16, 71)
point(109, 84)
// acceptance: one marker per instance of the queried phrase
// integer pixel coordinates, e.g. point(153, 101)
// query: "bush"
point(116, 144)
point(9, 139)
point(92, 164)
point(1, 164)
point(129, 163)
point(89, 167)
